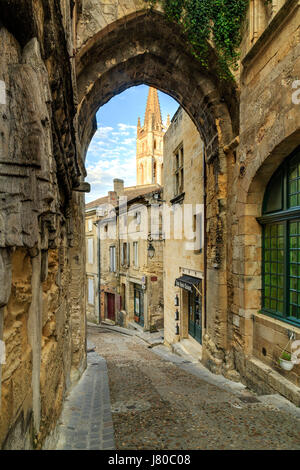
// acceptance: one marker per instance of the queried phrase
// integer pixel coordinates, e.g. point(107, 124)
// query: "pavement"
point(158, 400)
point(86, 421)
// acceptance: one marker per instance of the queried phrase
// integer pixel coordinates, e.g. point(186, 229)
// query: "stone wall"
point(181, 132)
point(269, 132)
point(42, 255)
point(60, 61)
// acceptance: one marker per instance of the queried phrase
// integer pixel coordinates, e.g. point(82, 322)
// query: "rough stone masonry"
point(59, 61)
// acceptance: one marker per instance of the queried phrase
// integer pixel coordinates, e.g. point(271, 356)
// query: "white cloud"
point(111, 155)
point(125, 127)
point(129, 141)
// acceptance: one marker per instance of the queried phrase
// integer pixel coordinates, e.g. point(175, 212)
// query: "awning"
point(187, 282)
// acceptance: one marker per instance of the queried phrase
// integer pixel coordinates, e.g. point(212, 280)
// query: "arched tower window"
point(154, 144)
point(281, 242)
point(154, 172)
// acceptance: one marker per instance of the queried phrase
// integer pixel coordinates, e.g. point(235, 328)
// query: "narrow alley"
point(162, 401)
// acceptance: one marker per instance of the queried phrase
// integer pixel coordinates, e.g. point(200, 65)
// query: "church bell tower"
point(149, 143)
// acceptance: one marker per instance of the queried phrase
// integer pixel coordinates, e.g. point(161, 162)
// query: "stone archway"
point(250, 331)
point(145, 48)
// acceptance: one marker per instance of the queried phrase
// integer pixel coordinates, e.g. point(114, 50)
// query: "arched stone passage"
point(148, 49)
point(145, 48)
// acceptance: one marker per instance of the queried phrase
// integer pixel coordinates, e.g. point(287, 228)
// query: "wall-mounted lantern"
point(151, 249)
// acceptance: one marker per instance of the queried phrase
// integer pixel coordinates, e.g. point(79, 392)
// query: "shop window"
point(195, 313)
point(138, 304)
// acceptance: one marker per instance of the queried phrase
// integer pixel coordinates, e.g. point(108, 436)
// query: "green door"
point(195, 316)
point(138, 305)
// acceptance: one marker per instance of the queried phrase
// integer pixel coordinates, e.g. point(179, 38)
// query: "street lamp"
point(151, 250)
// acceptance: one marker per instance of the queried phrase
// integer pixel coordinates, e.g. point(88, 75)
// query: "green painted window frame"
point(272, 245)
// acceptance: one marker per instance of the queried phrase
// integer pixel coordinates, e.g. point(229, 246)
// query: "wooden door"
point(111, 307)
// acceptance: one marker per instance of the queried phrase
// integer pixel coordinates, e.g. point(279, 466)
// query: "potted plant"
point(285, 361)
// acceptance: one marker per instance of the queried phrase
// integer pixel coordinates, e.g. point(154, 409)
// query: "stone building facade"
point(268, 136)
point(92, 264)
point(184, 288)
point(61, 61)
point(130, 282)
point(141, 261)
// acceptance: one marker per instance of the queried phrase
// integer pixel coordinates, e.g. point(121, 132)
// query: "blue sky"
point(112, 151)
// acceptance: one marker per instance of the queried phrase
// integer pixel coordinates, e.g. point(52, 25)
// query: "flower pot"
point(286, 365)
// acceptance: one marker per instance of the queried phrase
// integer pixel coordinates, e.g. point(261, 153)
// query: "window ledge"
point(177, 199)
point(284, 323)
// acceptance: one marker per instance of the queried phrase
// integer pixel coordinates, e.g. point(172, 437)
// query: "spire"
point(153, 114)
point(168, 121)
point(138, 126)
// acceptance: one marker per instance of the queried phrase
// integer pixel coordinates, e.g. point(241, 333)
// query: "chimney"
point(112, 198)
point(118, 187)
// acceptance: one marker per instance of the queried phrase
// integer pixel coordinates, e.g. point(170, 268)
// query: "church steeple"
point(153, 114)
point(149, 143)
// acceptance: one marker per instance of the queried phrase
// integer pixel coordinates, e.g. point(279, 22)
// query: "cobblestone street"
point(161, 401)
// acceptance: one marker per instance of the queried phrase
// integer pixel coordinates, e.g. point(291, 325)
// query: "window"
point(112, 259)
point(125, 260)
point(91, 291)
point(90, 251)
point(154, 172)
point(281, 242)
point(138, 218)
point(135, 254)
point(123, 297)
point(179, 173)
point(90, 225)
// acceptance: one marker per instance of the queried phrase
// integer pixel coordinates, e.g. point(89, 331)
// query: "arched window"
point(154, 172)
point(281, 242)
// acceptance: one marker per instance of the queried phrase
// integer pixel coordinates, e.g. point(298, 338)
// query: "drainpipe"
point(205, 235)
point(99, 271)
